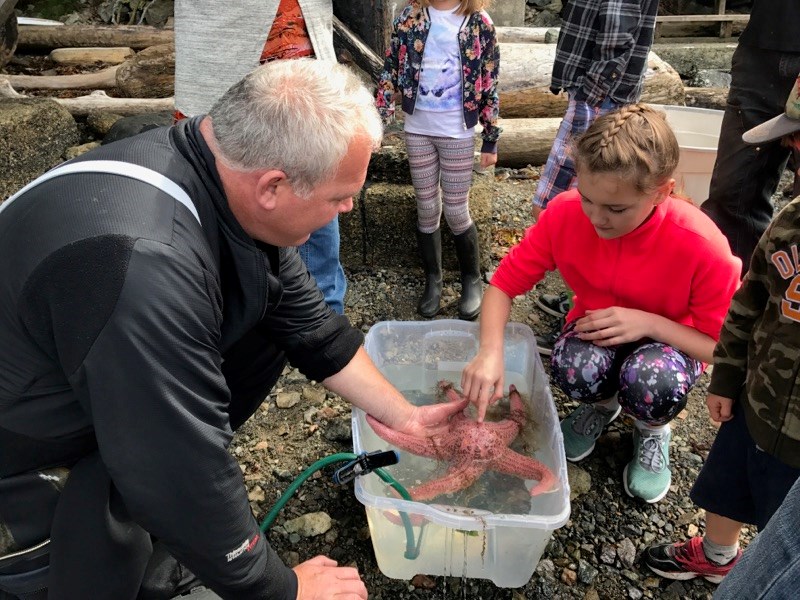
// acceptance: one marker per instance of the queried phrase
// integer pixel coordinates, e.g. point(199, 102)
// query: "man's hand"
point(719, 408)
point(320, 579)
point(432, 419)
point(613, 326)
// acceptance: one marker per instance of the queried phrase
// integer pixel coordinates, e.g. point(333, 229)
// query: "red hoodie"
point(677, 264)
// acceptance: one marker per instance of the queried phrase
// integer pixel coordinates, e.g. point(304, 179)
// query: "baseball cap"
point(782, 125)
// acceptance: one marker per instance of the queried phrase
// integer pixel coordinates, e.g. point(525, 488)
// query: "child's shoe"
point(647, 476)
point(582, 428)
point(686, 560)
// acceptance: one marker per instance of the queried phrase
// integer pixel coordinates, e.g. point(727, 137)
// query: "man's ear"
point(270, 187)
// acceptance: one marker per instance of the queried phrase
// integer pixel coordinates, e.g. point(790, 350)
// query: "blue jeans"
point(770, 566)
point(321, 256)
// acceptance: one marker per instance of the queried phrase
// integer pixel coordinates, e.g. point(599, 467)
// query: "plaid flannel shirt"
point(602, 49)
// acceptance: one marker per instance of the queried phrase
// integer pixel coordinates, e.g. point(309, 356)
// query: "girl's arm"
point(489, 99)
point(617, 325)
point(482, 379)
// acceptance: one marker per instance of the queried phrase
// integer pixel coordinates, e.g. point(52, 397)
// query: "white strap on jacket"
point(126, 169)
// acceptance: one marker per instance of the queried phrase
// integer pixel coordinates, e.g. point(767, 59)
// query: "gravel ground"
point(595, 555)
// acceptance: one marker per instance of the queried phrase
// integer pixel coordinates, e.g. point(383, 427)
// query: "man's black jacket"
point(116, 308)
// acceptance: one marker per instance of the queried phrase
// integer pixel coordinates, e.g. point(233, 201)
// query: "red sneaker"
point(686, 560)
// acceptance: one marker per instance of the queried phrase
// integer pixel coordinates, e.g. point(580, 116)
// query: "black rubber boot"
point(469, 306)
point(430, 250)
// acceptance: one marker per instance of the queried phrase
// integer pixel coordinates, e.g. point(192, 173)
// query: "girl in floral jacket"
point(443, 61)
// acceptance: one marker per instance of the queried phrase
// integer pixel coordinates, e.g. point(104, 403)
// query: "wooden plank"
point(701, 18)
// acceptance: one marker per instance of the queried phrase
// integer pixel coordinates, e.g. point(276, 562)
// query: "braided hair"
point(634, 142)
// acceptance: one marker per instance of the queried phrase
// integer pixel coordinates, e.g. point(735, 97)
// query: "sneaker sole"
point(545, 351)
point(653, 501)
point(686, 575)
point(548, 310)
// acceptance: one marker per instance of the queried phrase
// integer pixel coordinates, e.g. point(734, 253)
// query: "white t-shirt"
point(439, 109)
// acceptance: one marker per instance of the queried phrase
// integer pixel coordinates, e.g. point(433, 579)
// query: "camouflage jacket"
point(757, 359)
point(480, 63)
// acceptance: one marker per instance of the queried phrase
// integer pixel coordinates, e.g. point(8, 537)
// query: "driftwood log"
point(104, 79)
point(526, 35)
point(138, 37)
point(149, 74)
point(525, 82)
point(525, 141)
point(350, 48)
point(99, 101)
point(709, 97)
point(88, 56)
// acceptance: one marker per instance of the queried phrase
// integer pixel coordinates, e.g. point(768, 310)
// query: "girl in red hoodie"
point(652, 277)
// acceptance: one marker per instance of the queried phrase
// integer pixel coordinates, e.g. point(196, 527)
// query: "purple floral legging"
point(651, 379)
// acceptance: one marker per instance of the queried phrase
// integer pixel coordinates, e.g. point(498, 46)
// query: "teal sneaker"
point(647, 476)
point(582, 428)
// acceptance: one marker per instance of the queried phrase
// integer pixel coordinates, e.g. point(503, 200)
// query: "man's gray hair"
point(298, 116)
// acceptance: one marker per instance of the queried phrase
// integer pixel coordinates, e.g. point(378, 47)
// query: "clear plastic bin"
point(468, 534)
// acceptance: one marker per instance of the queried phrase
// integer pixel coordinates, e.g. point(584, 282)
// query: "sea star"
point(471, 448)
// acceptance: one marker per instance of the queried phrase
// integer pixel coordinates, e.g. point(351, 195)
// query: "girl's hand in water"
point(482, 381)
point(613, 326)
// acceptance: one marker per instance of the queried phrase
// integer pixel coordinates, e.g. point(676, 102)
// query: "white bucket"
point(697, 130)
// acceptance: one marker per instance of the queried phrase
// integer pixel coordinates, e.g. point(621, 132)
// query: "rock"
point(291, 558)
point(626, 552)
point(256, 494)
point(580, 482)
point(287, 399)
point(423, 582)
point(35, 134)
point(608, 554)
point(586, 572)
point(569, 577)
point(309, 525)
point(675, 590)
point(705, 78)
point(591, 594)
point(314, 395)
point(74, 151)
point(309, 414)
point(634, 593)
point(101, 122)
point(338, 430)
point(130, 126)
point(546, 568)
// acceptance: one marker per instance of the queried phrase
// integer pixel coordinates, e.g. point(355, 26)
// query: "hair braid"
point(621, 117)
point(634, 142)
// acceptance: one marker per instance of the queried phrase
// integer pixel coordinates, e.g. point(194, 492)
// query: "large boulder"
point(35, 134)
point(8, 31)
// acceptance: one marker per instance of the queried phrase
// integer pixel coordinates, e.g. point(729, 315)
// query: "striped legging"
point(444, 161)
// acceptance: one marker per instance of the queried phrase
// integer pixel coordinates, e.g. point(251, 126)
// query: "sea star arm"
point(512, 463)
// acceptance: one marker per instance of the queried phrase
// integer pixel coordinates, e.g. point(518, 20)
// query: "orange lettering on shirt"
point(790, 307)
point(783, 263)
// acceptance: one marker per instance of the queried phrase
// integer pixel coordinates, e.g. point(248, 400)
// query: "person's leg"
point(745, 177)
point(321, 256)
point(585, 372)
point(654, 381)
point(456, 157)
point(423, 161)
point(725, 488)
point(770, 567)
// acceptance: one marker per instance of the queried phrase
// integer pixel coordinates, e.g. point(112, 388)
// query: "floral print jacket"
point(480, 62)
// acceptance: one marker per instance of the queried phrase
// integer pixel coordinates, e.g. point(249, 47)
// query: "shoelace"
point(588, 421)
point(651, 454)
